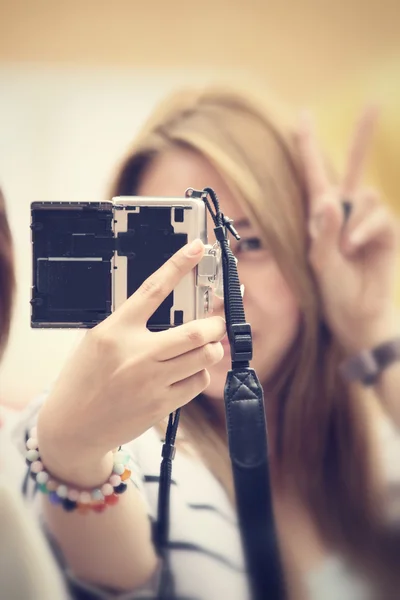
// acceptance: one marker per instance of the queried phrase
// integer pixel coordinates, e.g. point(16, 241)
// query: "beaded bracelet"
point(69, 498)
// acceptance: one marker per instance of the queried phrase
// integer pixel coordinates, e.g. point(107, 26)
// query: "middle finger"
point(184, 338)
point(184, 366)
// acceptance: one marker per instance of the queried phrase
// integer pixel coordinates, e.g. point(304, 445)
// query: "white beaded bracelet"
point(70, 498)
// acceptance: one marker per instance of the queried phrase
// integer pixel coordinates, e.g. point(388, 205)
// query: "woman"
point(318, 290)
point(24, 553)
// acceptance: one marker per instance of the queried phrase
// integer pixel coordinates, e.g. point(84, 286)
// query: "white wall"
point(62, 130)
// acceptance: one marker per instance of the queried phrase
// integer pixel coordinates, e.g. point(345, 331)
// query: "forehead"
point(171, 173)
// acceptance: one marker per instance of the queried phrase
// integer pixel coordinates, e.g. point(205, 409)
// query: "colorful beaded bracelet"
point(70, 498)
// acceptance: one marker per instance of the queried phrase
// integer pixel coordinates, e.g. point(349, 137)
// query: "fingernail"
point(194, 248)
point(242, 289)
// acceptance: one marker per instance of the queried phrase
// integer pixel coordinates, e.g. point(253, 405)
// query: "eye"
point(249, 244)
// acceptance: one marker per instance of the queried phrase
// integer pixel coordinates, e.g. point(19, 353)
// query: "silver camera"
point(89, 257)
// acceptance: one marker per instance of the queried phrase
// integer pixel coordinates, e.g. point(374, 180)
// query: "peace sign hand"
point(353, 258)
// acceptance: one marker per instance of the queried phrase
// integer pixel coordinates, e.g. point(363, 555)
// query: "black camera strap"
point(247, 439)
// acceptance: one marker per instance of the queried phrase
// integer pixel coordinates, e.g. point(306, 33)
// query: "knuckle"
point(102, 339)
point(196, 336)
point(151, 288)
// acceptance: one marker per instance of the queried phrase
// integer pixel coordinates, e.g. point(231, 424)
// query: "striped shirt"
point(205, 549)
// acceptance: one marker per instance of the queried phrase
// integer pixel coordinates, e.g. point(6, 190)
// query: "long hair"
point(7, 282)
point(324, 450)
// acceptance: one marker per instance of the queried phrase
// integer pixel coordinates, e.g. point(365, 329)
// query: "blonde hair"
point(323, 451)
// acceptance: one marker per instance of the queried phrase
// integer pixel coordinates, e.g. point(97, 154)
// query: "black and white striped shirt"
point(205, 549)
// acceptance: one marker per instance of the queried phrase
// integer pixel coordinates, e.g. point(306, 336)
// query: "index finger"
point(144, 302)
point(317, 180)
point(358, 151)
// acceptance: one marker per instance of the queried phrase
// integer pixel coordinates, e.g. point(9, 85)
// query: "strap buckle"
point(241, 342)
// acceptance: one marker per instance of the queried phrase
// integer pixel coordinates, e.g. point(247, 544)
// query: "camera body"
point(89, 257)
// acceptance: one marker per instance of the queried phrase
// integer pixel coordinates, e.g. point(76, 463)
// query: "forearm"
point(112, 549)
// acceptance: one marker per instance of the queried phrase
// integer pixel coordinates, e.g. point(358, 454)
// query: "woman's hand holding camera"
point(123, 378)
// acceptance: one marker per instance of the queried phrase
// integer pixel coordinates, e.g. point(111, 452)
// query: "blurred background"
point(77, 79)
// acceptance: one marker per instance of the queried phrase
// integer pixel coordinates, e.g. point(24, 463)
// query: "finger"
point(358, 152)
point(184, 391)
point(179, 340)
point(145, 301)
point(325, 237)
point(186, 365)
point(317, 180)
point(362, 204)
point(376, 228)
point(322, 218)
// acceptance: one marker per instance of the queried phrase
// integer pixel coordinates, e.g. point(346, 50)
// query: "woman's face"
point(270, 306)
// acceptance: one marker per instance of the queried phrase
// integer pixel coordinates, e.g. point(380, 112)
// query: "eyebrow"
point(242, 224)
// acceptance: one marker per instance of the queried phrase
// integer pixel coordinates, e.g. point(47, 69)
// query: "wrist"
point(82, 486)
point(86, 472)
point(72, 463)
point(370, 334)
